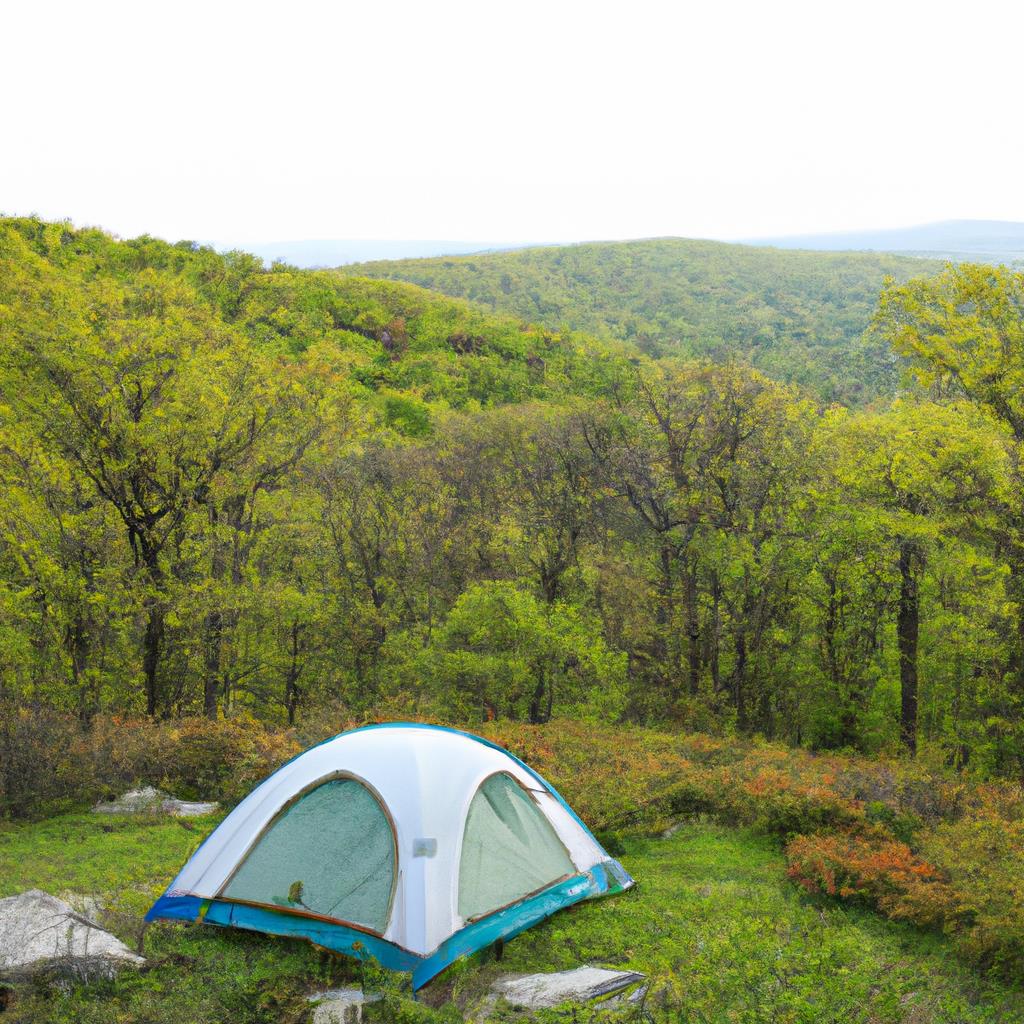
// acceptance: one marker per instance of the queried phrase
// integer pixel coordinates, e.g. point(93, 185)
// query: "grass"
point(714, 923)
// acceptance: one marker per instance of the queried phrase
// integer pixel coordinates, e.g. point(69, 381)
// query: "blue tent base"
point(606, 878)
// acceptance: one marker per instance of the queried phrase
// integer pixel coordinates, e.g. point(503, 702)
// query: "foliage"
point(50, 763)
point(238, 492)
point(875, 869)
point(503, 650)
point(799, 317)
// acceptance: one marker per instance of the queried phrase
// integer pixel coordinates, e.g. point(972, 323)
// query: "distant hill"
point(403, 348)
point(986, 241)
point(797, 316)
point(315, 253)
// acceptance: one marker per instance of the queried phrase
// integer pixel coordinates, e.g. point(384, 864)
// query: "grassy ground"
point(714, 923)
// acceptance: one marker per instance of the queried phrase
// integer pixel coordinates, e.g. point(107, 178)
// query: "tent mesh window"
point(332, 853)
point(509, 849)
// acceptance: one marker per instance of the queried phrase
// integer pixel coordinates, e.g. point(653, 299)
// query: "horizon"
point(440, 247)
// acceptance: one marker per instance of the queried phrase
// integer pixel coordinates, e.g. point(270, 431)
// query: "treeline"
point(233, 490)
point(799, 317)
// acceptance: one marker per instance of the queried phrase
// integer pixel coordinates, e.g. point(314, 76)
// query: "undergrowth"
point(918, 843)
point(713, 923)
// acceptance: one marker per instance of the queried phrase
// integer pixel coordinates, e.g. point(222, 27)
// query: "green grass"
point(714, 923)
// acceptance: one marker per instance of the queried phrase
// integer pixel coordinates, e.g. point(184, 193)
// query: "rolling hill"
point(333, 252)
point(797, 316)
point(404, 348)
point(977, 241)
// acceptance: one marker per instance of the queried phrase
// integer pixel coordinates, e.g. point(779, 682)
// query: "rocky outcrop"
point(581, 985)
point(341, 1005)
point(40, 933)
point(153, 801)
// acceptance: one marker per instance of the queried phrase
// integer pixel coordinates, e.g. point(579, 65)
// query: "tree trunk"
point(213, 629)
point(1016, 589)
point(664, 611)
point(907, 629)
point(213, 626)
point(77, 643)
point(739, 681)
point(292, 692)
point(538, 697)
point(693, 627)
point(151, 643)
point(716, 633)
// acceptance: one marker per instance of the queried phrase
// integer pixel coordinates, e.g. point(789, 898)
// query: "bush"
point(876, 870)
point(984, 855)
point(192, 758)
point(39, 767)
point(976, 896)
point(49, 763)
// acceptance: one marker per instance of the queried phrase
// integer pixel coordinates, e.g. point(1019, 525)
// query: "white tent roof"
point(425, 779)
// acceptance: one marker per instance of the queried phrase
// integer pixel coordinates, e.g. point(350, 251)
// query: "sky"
point(509, 121)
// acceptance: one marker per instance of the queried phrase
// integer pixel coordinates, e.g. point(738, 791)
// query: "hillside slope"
point(797, 316)
point(388, 338)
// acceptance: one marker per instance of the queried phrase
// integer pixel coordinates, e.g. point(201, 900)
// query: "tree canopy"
point(799, 317)
point(235, 490)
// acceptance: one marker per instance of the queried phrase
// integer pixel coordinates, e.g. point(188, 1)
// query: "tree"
point(923, 473)
point(503, 653)
point(964, 332)
point(147, 397)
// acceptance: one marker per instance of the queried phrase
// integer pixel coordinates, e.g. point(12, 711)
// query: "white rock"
point(87, 906)
point(148, 800)
point(39, 932)
point(538, 991)
point(187, 809)
point(341, 1005)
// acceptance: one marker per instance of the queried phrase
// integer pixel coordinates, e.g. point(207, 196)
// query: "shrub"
point(876, 870)
point(39, 767)
point(49, 763)
point(984, 855)
point(978, 901)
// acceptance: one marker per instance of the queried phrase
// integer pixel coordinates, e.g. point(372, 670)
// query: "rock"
point(87, 906)
point(153, 801)
point(189, 809)
point(136, 801)
point(341, 1005)
point(539, 991)
point(40, 933)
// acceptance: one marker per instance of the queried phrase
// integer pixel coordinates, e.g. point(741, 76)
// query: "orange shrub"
point(876, 870)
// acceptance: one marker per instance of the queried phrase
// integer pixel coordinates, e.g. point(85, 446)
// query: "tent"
point(412, 844)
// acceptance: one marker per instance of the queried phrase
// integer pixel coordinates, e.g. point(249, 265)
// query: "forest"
point(236, 491)
point(798, 317)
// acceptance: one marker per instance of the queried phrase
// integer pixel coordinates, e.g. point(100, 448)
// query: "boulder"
point(341, 1005)
point(40, 933)
point(148, 800)
point(540, 991)
point(83, 904)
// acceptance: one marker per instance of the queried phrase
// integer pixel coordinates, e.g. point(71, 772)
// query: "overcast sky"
point(509, 120)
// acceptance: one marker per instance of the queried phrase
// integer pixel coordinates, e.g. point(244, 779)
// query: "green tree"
point(503, 653)
point(924, 474)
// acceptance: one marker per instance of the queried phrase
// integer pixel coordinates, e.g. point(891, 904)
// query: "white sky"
point(509, 119)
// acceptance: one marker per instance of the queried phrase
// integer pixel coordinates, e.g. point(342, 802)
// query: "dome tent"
point(412, 844)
